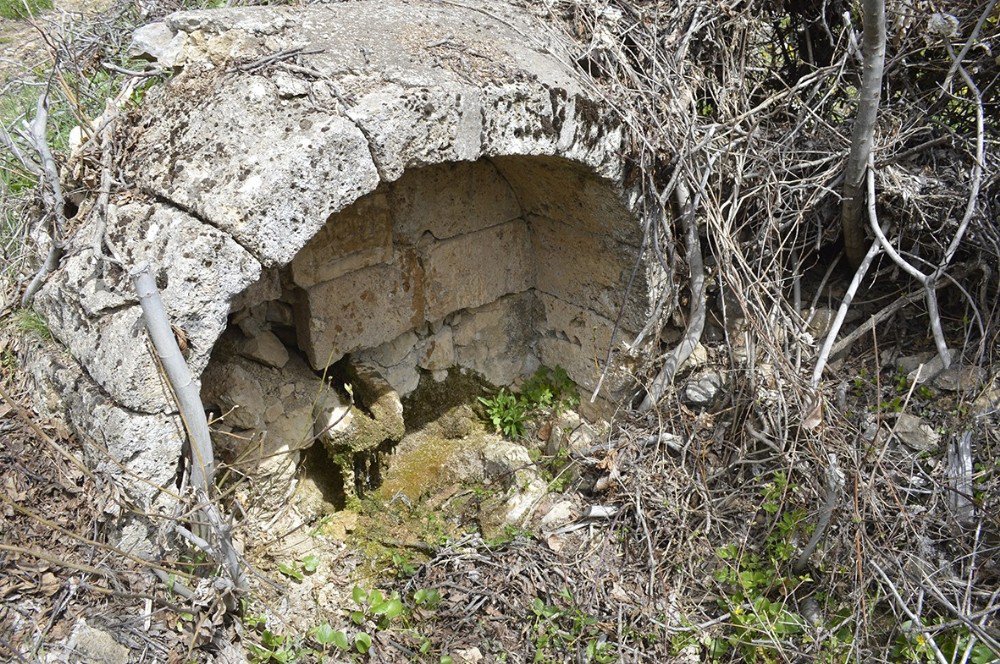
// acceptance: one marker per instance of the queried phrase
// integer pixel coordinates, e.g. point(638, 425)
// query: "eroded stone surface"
point(451, 199)
point(90, 306)
point(263, 413)
point(358, 237)
point(242, 164)
point(588, 270)
point(476, 269)
point(497, 340)
point(362, 309)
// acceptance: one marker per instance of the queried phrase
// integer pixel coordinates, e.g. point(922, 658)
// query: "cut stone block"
point(477, 268)
point(577, 339)
point(451, 199)
point(439, 351)
point(567, 192)
point(359, 310)
point(359, 236)
point(265, 348)
point(497, 340)
point(587, 270)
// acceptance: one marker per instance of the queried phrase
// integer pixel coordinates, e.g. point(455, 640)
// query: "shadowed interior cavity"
point(494, 267)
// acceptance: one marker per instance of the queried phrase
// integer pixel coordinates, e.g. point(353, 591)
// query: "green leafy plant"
point(327, 636)
point(507, 413)
point(559, 629)
point(375, 608)
point(427, 598)
point(550, 388)
point(299, 569)
point(547, 390)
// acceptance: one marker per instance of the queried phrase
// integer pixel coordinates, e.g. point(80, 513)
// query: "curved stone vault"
point(423, 185)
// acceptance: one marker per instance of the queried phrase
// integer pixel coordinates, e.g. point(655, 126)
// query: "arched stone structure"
point(378, 167)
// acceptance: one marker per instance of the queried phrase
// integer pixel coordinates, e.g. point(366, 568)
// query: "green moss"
point(432, 399)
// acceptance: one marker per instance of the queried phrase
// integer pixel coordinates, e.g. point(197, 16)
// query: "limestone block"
point(392, 352)
point(507, 462)
point(357, 237)
point(438, 351)
point(577, 339)
point(551, 121)
point(362, 309)
point(248, 180)
point(158, 42)
point(588, 270)
point(420, 124)
point(265, 348)
point(150, 445)
point(451, 199)
point(404, 376)
point(475, 269)
point(265, 289)
point(571, 194)
point(92, 309)
point(497, 340)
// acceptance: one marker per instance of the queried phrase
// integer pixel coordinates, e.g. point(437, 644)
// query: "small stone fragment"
point(560, 514)
point(702, 390)
point(95, 646)
point(931, 368)
point(157, 42)
point(267, 349)
point(698, 358)
point(439, 351)
point(915, 433)
point(504, 460)
point(960, 379)
point(468, 656)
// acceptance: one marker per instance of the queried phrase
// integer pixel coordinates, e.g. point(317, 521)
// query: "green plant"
point(546, 390)
point(773, 493)
point(276, 648)
point(564, 628)
point(374, 608)
point(427, 598)
point(404, 566)
point(912, 645)
point(299, 569)
point(550, 388)
point(506, 412)
point(29, 322)
point(327, 636)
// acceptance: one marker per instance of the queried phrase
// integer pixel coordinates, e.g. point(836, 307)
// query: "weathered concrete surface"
point(256, 155)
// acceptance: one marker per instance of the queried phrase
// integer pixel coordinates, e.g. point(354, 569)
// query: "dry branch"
point(192, 412)
point(863, 136)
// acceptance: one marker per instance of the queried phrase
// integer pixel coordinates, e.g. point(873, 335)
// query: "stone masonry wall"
point(446, 267)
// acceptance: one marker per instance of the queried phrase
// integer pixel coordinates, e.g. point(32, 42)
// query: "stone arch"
point(280, 121)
